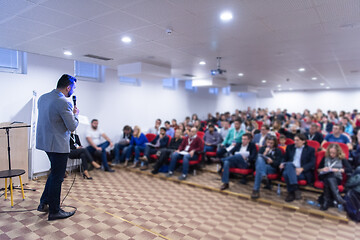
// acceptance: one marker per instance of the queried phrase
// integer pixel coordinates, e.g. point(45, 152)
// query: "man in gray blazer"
point(56, 120)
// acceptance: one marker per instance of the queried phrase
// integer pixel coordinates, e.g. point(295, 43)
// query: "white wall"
point(325, 100)
point(114, 104)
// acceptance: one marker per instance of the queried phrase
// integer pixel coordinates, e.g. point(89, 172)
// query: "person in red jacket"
point(189, 149)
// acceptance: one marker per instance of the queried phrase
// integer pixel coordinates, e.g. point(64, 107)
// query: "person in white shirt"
point(156, 129)
point(95, 137)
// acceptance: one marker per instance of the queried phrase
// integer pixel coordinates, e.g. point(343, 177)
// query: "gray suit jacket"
point(55, 122)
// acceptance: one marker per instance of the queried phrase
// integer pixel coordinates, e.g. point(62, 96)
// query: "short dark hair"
point(211, 126)
point(127, 127)
point(272, 138)
point(162, 128)
point(166, 122)
point(248, 135)
point(301, 136)
point(267, 127)
point(65, 81)
point(238, 120)
point(94, 120)
point(158, 120)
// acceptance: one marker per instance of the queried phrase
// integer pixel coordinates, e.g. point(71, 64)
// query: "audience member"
point(331, 169)
point(259, 138)
point(225, 126)
point(211, 138)
point(137, 145)
point(94, 136)
point(326, 126)
point(189, 149)
point(166, 152)
point(244, 157)
point(336, 136)
point(299, 165)
point(169, 130)
point(77, 151)
point(156, 128)
point(120, 147)
point(313, 134)
point(267, 162)
point(161, 141)
point(232, 138)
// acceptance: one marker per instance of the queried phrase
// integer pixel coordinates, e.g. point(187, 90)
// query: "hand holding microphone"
point(75, 109)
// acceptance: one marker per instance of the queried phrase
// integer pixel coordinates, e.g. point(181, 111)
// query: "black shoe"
point(224, 186)
point(297, 195)
point(265, 180)
point(290, 197)
point(154, 171)
point(43, 207)
point(60, 215)
point(109, 170)
point(86, 177)
point(255, 194)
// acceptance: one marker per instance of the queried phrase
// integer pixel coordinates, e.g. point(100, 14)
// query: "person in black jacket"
point(161, 141)
point(77, 151)
point(331, 169)
point(299, 165)
point(313, 134)
point(166, 152)
point(244, 157)
point(121, 147)
point(267, 162)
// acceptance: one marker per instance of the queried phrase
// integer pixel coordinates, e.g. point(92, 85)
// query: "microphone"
point(74, 100)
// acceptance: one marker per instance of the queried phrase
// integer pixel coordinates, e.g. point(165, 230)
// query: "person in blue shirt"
point(348, 126)
point(336, 136)
point(169, 130)
point(137, 144)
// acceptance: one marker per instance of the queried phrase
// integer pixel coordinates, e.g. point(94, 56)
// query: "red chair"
point(320, 184)
point(196, 162)
point(200, 134)
point(150, 136)
point(289, 141)
point(259, 123)
point(314, 144)
point(343, 146)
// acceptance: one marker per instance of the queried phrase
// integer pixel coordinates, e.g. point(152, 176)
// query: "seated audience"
point(160, 141)
point(232, 138)
point(313, 134)
point(169, 130)
point(120, 147)
point(294, 129)
point(326, 126)
point(224, 130)
point(267, 162)
point(174, 124)
point(137, 145)
point(94, 136)
point(77, 151)
point(282, 141)
point(244, 157)
point(299, 164)
point(166, 152)
point(331, 169)
point(211, 138)
point(348, 126)
point(156, 128)
point(259, 138)
point(189, 149)
point(336, 136)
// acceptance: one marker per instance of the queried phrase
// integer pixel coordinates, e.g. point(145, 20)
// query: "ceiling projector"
point(217, 71)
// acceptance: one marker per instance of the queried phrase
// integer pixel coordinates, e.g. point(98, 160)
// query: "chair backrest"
point(343, 146)
point(289, 141)
point(319, 156)
point(259, 123)
point(169, 140)
point(200, 134)
point(150, 136)
point(314, 144)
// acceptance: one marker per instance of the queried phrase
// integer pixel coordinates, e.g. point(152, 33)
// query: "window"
point(226, 90)
point(170, 83)
point(89, 71)
point(214, 91)
point(188, 86)
point(13, 61)
point(130, 81)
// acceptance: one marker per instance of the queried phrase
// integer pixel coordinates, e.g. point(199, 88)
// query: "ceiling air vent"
point(188, 75)
point(98, 57)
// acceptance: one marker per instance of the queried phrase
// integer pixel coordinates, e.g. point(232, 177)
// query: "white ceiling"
point(267, 39)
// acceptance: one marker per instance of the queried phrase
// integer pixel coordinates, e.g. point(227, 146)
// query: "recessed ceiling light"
point(67, 53)
point(314, 78)
point(240, 74)
point(226, 16)
point(126, 39)
point(202, 62)
point(301, 69)
point(322, 84)
point(263, 81)
point(327, 87)
point(279, 85)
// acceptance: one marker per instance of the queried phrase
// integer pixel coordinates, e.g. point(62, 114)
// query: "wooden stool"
point(10, 174)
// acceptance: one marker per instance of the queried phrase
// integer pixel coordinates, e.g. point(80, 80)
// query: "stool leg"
point(22, 188)
point(6, 188)
point(11, 193)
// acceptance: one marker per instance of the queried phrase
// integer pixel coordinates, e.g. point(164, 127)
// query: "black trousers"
point(52, 191)
point(164, 156)
point(82, 153)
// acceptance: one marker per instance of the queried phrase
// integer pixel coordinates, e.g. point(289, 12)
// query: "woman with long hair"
point(331, 169)
point(137, 145)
